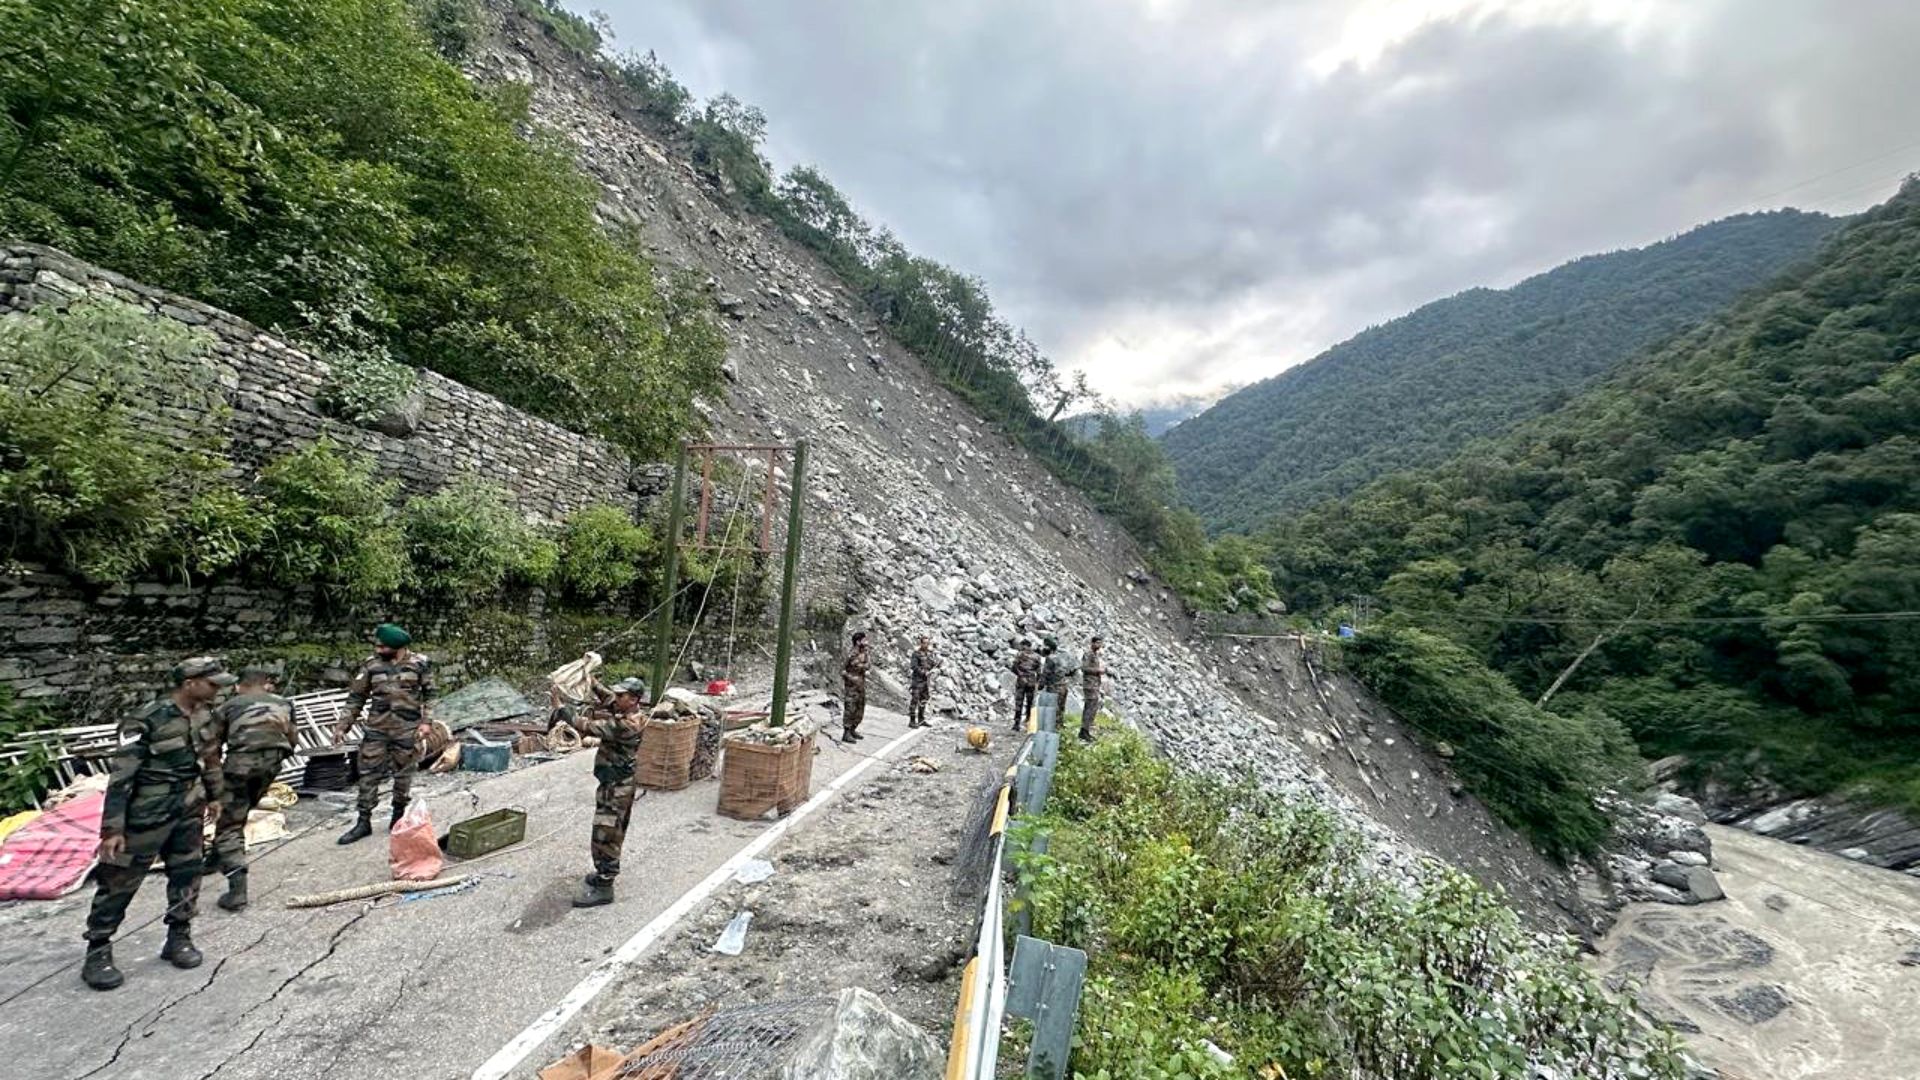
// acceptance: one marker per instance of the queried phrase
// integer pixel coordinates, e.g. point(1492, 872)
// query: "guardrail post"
point(1047, 707)
point(1046, 749)
point(1030, 787)
point(1045, 986)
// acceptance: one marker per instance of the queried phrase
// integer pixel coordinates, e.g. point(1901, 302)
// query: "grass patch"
point(1223, 914)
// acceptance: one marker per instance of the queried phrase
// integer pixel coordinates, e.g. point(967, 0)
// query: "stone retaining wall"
point(274, 389)
point(92, 651)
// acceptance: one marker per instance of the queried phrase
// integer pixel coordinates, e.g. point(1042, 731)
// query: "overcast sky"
point(1180, 195)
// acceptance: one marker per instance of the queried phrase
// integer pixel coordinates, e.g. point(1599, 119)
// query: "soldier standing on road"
point(395, 682)
point(255, 726)
point(853, 685)
point(1053, 676)
point(1026, 682)
point(920, 681)
point(618, 723)
point(163, 780)
point(1093, 679)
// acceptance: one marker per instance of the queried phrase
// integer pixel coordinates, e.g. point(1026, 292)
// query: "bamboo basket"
point(756, 777)
point(665, 752)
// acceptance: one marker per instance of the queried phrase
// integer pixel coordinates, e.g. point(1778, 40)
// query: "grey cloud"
point(1108, 173)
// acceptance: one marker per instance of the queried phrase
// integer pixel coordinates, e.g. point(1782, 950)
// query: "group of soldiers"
point(1048, 670)
point(182, 761)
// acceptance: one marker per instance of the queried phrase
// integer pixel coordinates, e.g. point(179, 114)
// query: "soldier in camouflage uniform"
point(1026, 683)
point(255, 728)
point(162, 780)
point(920, 681)
point(618, 722)
point(1093, 681)
point(1053, 676)
point(853, 686)
point(395, 682)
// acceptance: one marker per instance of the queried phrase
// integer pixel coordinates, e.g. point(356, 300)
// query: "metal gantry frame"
point(676, 512)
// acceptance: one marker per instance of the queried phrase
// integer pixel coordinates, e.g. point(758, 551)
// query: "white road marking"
point(511, 1055)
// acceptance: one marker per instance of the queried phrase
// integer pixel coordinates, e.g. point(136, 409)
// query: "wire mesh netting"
point(746, 1043)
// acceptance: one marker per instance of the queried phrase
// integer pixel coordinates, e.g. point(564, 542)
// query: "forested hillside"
point(1727, 531)
point(1414, 390)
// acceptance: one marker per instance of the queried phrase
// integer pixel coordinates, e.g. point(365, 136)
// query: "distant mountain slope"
point(1717, 545)
point(1416, 389)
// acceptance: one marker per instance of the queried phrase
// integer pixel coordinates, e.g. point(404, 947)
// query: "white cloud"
point(1180, 194)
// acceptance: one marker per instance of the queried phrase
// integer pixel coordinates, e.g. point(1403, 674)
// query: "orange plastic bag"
point(412, 849)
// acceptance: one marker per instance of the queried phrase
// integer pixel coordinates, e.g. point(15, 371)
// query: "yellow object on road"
point(14, 821)
point(978, 738)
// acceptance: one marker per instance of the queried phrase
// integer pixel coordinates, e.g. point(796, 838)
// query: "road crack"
point(147, 1020)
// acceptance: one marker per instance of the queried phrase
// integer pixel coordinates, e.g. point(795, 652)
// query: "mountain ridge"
point(1418, 387)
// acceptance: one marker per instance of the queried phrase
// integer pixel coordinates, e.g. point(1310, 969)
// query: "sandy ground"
point(1797, 975)
point(864, 897)
point(424, 989)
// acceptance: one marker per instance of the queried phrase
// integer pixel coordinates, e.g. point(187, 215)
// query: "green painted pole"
point(663, 626)
point(783, 651)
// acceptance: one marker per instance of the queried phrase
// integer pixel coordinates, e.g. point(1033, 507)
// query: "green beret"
point(392, 636)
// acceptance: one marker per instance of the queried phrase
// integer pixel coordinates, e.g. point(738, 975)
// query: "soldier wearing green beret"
point(393, 686)
point(162, 781)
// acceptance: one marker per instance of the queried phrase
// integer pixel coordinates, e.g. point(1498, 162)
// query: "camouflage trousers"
point(917, 695)
point(1089, 708)
point(854, 704)
point(230, 834)
point(612, 810)
point(1023, 697)
point(386, 751)
point(177, 843)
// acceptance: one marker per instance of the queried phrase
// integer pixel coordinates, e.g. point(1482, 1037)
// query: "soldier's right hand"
point(112, 846)
point(339, 736)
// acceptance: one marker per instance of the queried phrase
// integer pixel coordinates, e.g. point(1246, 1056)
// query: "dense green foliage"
point(1414, 390)
point(333, 525)
point(314, 166)
point(602, 552)
point(466, 539)
point(1538, 770)
point(1717, 529)
point(1230, 915)
point(84, 482)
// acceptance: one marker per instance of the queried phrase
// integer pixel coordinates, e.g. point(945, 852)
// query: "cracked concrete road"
point(420, 990)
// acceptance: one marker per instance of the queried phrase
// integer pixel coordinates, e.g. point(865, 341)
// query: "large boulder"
point(865, 1041)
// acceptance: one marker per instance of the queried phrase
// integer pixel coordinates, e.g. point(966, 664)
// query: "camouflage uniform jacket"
point(398, 690)
point(161, 770)
point(1093, 667)
point(256, 731)
point(1026, 669)
point(855, 671)
point(924, 663)
point(619, 734)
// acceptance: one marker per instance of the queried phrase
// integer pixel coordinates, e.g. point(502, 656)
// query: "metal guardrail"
point(1043, 981)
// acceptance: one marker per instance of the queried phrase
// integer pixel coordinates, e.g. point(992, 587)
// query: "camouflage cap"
point(636, 687)
point(203, 667)
point(259, 672)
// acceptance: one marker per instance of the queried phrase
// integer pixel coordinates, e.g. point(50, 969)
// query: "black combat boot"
point(597, 891)
point(399, 811)
point(236, 895)
point(362, 828)
point(99, 972)
point(179, 950)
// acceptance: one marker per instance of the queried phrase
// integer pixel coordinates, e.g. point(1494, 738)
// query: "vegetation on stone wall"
point(85, 481)
point(316, 167)
point(1226, 915)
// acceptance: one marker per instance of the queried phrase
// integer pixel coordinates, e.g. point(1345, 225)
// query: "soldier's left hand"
point(213, 811)
point(423, 730)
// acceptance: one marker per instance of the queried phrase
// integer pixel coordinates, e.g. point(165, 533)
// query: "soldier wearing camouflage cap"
point(254, 734)
point(162, 779)
point(394, 684)
point(618, 722)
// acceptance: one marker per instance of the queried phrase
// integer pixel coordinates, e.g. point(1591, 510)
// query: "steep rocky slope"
point(923, 520)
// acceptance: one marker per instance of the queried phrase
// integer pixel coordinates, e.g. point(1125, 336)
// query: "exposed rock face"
point(923, 520)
